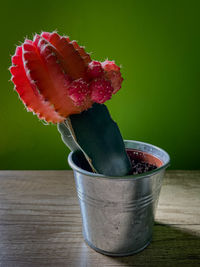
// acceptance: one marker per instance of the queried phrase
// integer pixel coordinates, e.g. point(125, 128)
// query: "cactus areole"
point(56, 80)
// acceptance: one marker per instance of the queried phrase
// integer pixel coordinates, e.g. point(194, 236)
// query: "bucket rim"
point(127, 177)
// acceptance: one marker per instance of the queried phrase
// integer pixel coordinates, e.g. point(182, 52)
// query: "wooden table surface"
point(40, 223)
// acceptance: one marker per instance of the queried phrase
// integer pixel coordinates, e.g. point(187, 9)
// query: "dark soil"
point(141, 161)
point(139, 167)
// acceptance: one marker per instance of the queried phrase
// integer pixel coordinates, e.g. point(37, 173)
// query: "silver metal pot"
point(118, 212)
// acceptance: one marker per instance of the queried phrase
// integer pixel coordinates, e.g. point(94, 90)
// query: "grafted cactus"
point(57, 80)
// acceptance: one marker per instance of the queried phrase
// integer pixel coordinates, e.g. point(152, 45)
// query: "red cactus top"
point(55, 77)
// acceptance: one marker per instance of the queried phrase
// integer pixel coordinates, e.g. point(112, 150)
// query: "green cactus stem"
point(67, 137)
point(98, 137)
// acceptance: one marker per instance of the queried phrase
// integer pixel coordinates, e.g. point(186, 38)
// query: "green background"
point(156, 42)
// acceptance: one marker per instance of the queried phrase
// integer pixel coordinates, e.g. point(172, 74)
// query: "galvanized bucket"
point(118, 212)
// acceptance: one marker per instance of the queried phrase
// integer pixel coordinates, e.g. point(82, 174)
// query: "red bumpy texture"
point(55, 77)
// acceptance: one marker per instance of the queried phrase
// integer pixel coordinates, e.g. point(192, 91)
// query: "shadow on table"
point(171, 246)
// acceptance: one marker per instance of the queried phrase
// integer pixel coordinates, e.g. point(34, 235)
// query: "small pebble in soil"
point(139, 167)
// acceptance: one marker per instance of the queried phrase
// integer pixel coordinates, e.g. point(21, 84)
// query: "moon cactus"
point(57, 80)
point(55, 77)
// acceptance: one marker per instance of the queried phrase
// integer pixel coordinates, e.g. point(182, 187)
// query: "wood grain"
point(40, 223)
